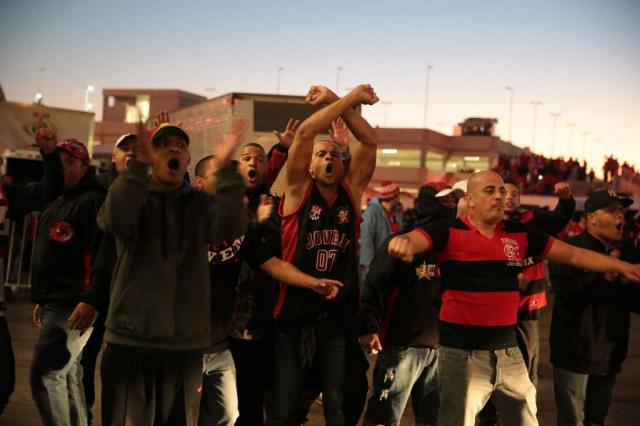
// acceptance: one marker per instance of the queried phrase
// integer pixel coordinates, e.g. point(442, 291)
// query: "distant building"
point(208, 121)
point(412, 157)
point(123, 109)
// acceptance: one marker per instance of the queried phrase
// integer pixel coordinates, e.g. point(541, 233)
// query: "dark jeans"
point(249, 357)
point(143, 387)
point(89, 356)
point(402, 373)
point(7, 364)
point(290, 375)
point(582, 399)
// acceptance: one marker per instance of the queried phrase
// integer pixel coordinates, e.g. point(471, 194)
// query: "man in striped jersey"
point(481, 256)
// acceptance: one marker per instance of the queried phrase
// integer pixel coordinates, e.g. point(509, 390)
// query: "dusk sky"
point(581, 58)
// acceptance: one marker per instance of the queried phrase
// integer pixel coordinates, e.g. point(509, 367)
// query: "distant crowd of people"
point(214, 302)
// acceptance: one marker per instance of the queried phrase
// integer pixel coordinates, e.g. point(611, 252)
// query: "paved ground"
point(625, 409)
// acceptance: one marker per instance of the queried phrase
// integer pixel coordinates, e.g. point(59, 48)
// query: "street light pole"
point(338, 80)
point(510, 89)
point(555, 116)
point(535, 104)
point(426, 96)
point(280, 69)
point(571, 127)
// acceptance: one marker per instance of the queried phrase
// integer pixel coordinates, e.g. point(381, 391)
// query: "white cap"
point(123, 138)
point(458, 189)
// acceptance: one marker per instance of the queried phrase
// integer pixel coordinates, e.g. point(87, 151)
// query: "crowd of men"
point(219, 303)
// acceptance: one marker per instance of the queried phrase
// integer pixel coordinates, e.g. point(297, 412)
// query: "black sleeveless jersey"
point(320, 238)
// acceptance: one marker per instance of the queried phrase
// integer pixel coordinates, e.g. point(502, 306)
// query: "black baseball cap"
point(603, 198)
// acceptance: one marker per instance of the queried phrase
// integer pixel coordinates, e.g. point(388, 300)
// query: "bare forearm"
point(286, 273)
point(360, 128)
point(322, 118)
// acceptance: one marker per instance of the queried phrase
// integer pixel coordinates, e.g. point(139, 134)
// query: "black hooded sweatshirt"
point(67, 240)
point(401, 301)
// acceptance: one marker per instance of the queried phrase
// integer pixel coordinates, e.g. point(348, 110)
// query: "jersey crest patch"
point(315, 212)
point(343, 215)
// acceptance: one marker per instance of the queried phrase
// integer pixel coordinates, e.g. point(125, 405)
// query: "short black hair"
point(253, 144)
point(201, 166)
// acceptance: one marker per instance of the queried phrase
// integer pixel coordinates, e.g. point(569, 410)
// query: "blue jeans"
point(582, 399)
point(290, 375)
point(400, 373)
point(56, 372)
point(469, 378)
point(219, 403)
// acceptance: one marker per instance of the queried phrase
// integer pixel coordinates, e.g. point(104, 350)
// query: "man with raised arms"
point(320, 218)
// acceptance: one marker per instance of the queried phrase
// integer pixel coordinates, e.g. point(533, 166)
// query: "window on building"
point(111, 101)
point(392, 157)
point(434, 161)
point(139, 110)
point(466, 163)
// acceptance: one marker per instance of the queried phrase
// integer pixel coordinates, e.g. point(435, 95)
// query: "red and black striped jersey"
point(479, 277)
point(320, 238)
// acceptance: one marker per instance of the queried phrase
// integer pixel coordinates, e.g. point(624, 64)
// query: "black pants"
point(529, 345)
point(582, 398)
point(89, 357)
point(142, 387)
point(290, 375)
point(252, 372)
point(7, 364)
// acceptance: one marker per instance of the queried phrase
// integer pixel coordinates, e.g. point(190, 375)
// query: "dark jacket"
point(590, 322)
point(533, 299)
point(160, 292)
point(257, 291)
point(401, 301)
point(105, 259)
point(67, 240)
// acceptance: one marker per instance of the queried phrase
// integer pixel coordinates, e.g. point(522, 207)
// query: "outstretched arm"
point(289, 274)
point(567, 254)
point(407, 245)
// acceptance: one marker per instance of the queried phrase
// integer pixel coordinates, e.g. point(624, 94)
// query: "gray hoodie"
point(160, 289)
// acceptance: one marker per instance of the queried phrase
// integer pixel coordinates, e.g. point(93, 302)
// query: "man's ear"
point(469, 199)
point(198, 184)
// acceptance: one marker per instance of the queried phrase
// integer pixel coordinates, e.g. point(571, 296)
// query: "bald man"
point(481, 259)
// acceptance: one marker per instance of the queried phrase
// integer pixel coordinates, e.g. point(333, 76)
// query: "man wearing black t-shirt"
point(481, 256)
point(219, 404)
point(320, 220)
